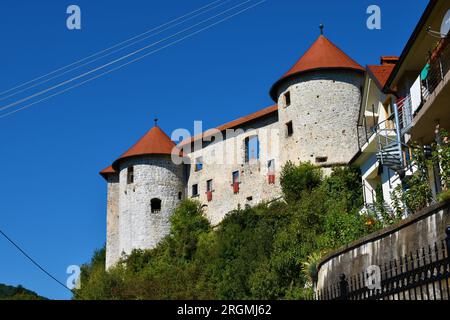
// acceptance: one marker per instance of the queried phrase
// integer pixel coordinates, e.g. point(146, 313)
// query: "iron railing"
point(365, 132)
point(422, 275)
point(439, 66)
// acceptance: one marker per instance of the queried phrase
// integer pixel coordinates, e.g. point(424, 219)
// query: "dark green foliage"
point(296, 180)
point(255, 253)
point(18, 293)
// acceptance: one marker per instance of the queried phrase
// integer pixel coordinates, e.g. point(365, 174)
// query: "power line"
point(102, 54)
point(132, 61)
point(35, 262)
point(113, 47)
point(119, 59)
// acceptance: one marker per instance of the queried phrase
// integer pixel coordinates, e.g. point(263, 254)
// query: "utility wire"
point(119, 59)
point(103, 54)
point(112, 47)
point(132, 61)
point(34, 261)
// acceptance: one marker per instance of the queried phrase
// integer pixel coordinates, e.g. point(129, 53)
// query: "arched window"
point(156, 205)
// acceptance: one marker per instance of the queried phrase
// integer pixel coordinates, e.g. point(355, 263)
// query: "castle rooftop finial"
point(321, 26)
point(156, 121)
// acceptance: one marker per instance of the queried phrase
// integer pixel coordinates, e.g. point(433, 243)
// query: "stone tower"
point(144, 189)
point(319, 100)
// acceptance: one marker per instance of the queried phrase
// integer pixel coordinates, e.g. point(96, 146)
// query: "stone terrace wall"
point(416, 232)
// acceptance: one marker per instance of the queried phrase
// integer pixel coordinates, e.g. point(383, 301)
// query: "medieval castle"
point(314, 119)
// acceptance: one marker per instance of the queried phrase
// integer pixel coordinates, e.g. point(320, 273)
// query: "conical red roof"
point(323, 54)
point(155, 142)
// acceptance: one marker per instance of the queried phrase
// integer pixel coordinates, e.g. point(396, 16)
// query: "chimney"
point(385, 60)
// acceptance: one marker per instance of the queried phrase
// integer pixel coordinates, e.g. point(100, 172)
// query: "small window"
point(180, 195)
point(130, 175)
point(271, 166)
point(289, 129)
point(195, 190)
point(209, 185)
point(287, 99)
point(236, 177)
point(321, 159)
point(155, 205)
point(251, 148)
point(199, 164)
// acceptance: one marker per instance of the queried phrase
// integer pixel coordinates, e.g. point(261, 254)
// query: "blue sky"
point(52, 200)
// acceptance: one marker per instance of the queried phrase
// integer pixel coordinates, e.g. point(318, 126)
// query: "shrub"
point(298, 179)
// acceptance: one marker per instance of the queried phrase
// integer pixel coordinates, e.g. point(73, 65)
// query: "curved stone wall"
point(324, 111)
point(155, 177)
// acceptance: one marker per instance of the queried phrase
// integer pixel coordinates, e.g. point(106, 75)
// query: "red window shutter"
point(209, 196)
point(271, 178)
point(236, 187)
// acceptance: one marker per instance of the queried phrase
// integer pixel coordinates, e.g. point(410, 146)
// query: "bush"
point(296, 180)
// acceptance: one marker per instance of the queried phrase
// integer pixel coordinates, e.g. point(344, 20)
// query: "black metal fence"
point(420, 275)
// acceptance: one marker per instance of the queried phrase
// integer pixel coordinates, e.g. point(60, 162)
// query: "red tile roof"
point(381, 73)
point(154, 142)
point(233, 124)
point(323, 54)
point(107, 171)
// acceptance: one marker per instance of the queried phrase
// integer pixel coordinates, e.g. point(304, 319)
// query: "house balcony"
point(371, 136)
point(428, 103)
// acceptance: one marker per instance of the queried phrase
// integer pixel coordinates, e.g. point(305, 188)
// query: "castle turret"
point(150, 187)
point(319, 100)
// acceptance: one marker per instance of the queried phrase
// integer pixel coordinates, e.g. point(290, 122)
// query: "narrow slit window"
point(209, 186)
point(130, 175)
point(236, 182)
point(321, 159)
point(289, 129)
point(155, 205)
point(287, 98)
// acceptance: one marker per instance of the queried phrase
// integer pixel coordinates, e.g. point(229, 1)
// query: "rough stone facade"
point(155, 177)
point(324, 111)
point(112, 221)
point(222, 158)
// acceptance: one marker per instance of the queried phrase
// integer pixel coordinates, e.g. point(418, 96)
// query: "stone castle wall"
point(325, 111)
point(154, 177)
point(112, 221)
point(223, 158)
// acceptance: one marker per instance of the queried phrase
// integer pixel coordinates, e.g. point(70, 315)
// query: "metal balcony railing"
point(439, 66)
point(432, 75)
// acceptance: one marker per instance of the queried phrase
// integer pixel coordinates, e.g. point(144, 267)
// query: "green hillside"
point(18, 293)
point(269, 251)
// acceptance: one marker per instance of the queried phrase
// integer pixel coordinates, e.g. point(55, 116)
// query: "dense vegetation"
point(265, 252)
point(17, 293)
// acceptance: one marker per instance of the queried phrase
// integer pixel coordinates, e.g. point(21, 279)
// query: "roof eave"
point(409, 44)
